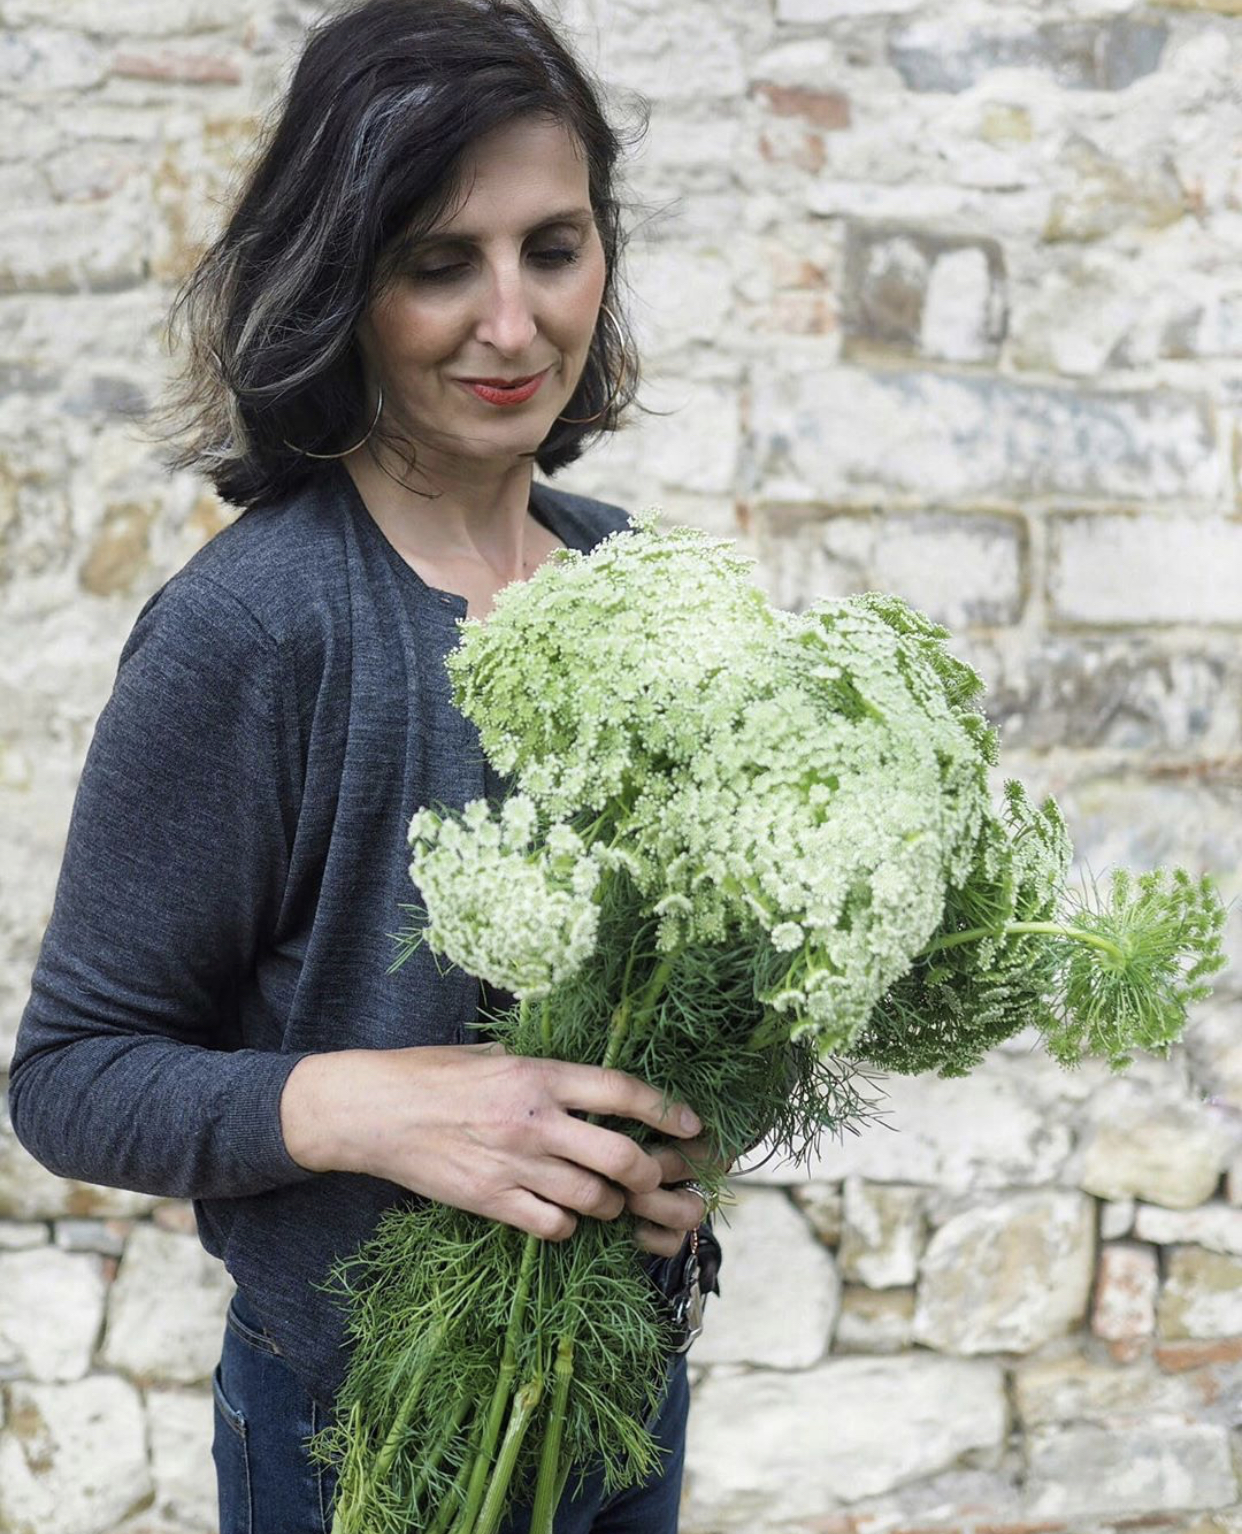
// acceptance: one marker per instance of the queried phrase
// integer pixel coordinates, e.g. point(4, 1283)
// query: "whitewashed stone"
point(179, 1425)
point(690, 454)
point(806, 62)
point(882, 1234)
point(21, 1235)
point(1100, 193)
point(73, 246)
point(874, 1320)
point(1079, 1389)
point(107, 1237)
point(144, 18)
point(1165, 1463)
point(1202, 1295)
point(820, 11)
point(166, 1309)
point(687, 292)
point(1153, 1146)
point(51, 1309)
point(986, 1130)
point(766, 1235)
point(1115, 569)
point(942, 56)
point(1080, 316)
point(821, 1204)
point(832, 434)
point(695, 447)
point(72, 1457)
point(1007, 1276)
point(1217, 1227)
point(1125, 1292)
point(1117, 1219)
point(42, 59)
point(959, 311)
point(643, 49)
point(29, 1192)
point(958, 569)
point(1214, 1045)
point(778, 1446)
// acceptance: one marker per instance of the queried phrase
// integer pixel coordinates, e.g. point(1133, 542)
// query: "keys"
point(688, 1302)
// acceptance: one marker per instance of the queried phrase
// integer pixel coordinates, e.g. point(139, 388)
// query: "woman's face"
point(506, 290)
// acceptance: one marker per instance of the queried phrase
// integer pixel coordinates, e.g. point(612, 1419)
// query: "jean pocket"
point(230, 1449)
point(240, 1322)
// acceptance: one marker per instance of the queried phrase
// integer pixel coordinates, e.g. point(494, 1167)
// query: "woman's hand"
point(667, 1213)
point(494, 1133)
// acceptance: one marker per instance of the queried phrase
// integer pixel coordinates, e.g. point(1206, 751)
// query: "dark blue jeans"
point(269, 1485)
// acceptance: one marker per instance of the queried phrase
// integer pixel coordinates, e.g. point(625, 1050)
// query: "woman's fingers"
point(676, 1209)
point(575, 1188)
point(536, 1216)
point(666, 1213)
point(686, 1159)
point(605, 1151)
point(594, 1089)
point(658, 1239)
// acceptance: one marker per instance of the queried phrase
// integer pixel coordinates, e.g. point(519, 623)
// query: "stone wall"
point(940, 298)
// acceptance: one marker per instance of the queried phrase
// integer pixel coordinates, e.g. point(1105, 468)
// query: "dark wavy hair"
point(363, 158)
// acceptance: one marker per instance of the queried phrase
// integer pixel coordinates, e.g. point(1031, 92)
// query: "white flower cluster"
point(504, 904)
point(813, 782)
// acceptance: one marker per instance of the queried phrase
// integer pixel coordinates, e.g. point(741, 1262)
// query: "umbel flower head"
point(814, 783)
point(808, 788)
point(473, 870)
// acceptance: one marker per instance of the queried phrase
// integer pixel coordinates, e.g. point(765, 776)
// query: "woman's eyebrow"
point(579, 217)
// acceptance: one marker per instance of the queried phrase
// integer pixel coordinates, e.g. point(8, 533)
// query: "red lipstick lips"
point(499, 391)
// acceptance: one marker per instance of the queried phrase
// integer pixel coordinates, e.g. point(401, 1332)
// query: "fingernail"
point(690, 1122)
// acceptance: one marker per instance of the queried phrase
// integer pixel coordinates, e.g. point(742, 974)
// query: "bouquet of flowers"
point(749, 856)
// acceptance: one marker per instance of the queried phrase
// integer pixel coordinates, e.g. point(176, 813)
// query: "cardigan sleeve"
point(127, 1069)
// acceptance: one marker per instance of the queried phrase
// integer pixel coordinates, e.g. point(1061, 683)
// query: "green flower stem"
point(451, 1503)
point(524, 1407)
point(562, 1479)
point(501, 1394)
point(392, 1443)
point(347, 1515)
point(652, 991)
point(437, 1454)
point(1045, 928)
point(546, 1488)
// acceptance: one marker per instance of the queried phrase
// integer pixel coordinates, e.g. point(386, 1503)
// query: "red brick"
point(826, 109)
point(184, 68)
point(1177, 1357)
point(1125, 1293)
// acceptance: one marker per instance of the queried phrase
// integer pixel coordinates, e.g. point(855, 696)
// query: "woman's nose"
point(508, 320)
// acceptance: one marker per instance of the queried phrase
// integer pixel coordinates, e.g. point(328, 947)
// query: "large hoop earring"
point(618, 383)
point(329, 457)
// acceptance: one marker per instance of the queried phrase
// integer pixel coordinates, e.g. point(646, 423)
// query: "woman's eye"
point(555, 255)
point(446, 273)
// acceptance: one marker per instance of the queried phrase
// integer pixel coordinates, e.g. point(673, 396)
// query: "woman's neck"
point(445, 517)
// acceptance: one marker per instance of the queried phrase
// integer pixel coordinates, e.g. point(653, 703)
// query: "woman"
point(413, 304)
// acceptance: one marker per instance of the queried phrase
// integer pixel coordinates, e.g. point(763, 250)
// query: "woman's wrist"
point(314, 1127)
